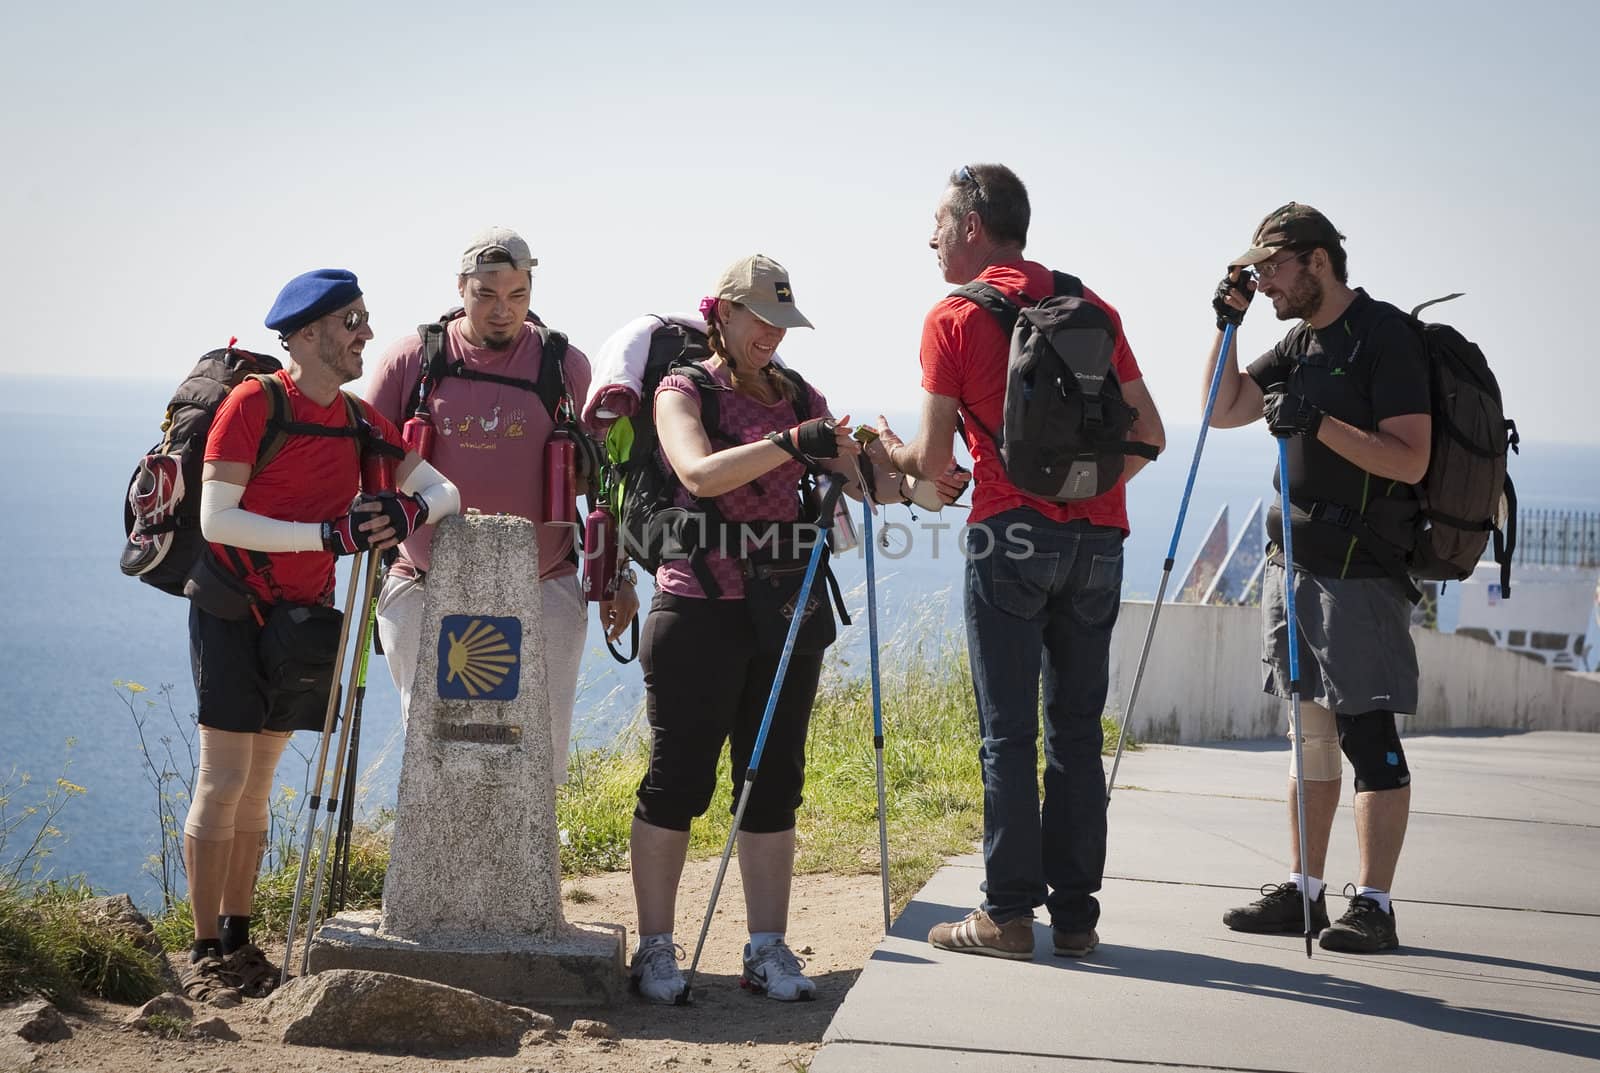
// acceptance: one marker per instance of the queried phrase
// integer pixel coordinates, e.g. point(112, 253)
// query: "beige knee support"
point(1320, 755)
point(218, 784)
point(254, 815)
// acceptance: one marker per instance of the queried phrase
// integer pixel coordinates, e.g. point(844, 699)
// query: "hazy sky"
point(171, 165)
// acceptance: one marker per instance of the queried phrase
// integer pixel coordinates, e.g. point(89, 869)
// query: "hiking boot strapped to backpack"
point(1064, 436)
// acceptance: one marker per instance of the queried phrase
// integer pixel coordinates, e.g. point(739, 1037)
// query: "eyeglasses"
point(354, 319)
point(1268, 269)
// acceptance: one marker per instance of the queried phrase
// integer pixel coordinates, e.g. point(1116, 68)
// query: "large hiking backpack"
point(1064, 435)
point(161, 512)
point(652, 528)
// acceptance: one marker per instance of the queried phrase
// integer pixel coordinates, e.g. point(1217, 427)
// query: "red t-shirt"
point(311, 479)
point(964, 356)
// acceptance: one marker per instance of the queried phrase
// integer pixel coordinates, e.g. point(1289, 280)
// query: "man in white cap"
point(490, 380)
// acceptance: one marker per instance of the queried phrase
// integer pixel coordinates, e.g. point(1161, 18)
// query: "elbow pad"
point(223, 521)
point(433, 488)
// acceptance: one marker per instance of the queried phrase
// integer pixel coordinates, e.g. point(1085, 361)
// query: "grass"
point(49, 947)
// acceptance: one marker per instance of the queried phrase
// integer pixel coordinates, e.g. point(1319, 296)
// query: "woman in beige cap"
point(738, 435)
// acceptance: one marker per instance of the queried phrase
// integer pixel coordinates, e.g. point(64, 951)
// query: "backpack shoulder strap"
point(1067, 286)
point(551, 386)
point(802, 392)
point(710, 406)
point(432, 367)
point(991, 298)
point(274, 433)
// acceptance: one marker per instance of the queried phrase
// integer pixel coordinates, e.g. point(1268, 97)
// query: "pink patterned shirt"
point(771, 498)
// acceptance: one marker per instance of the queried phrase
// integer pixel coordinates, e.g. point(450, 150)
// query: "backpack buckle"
point(1332, 513)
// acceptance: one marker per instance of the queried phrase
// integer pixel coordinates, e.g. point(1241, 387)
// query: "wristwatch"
point(627, 574)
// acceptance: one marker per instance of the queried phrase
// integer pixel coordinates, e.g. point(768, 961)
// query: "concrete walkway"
point(1498, 914)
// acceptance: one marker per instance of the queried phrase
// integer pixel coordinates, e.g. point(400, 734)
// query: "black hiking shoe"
point(1364, 929)
point(1278, 910)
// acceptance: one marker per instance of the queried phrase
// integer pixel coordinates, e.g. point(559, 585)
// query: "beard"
point(1303, 298)
point(338, 360)
point(500, 342)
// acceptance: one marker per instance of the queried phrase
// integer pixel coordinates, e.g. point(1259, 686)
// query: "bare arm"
point(707, 473)
point(1238, 396)
point(1398, 450)
point(1147, 428)
point(930, 452)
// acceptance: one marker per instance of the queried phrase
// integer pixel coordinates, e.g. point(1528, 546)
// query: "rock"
point(171, 1004)
point(214, 1028)
point(353, 1008)
point(593, 1030)
point(119, 911)
point(538, 1021)
point(35, 1020)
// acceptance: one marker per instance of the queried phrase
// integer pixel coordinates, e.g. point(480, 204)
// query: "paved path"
point(1499, 920)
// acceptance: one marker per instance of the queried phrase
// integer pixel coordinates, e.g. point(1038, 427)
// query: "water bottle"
point(417, 434)
point(560, 478)
point(599, 555)
point(377, 468)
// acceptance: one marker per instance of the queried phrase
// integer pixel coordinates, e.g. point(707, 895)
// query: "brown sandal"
point(251, 971)
point(208, 981)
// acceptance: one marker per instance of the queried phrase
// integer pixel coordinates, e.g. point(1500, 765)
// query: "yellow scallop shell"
point(480, 658)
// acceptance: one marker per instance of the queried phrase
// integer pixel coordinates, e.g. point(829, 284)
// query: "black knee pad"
point(1372, 744)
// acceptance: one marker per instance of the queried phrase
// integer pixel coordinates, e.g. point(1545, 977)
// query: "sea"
point(74, 627)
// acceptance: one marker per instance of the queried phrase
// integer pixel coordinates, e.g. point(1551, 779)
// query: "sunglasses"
point(354, 319)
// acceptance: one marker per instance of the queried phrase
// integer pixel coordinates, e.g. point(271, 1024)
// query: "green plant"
point(166, 1025)
point(35, 821)
point(50, 946)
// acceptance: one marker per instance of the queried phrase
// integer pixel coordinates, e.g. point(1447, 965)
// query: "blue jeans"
point(1044, 599)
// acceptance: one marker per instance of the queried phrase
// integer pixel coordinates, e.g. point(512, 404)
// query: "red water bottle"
point(560, 478)
point(417, 434)
point(377, 467)
point(599, 555)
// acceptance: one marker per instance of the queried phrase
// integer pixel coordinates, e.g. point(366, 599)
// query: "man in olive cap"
point(1348, 388)
point(484, 378)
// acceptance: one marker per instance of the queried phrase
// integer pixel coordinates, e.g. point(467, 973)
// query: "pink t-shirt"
point(771, 498)
point(488, 438)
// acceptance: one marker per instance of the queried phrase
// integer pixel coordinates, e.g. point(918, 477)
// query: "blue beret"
point(312, 295)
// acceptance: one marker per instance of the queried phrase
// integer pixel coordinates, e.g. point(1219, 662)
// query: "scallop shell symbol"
point(481, 657)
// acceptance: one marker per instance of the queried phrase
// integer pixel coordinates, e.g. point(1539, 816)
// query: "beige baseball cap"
point(494, 249)
point(762, 285)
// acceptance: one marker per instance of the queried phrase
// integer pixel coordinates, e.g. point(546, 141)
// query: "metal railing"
point(1558, 538)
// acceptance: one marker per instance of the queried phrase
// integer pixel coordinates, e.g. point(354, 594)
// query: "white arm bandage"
point(223, 521)
point(434, 489)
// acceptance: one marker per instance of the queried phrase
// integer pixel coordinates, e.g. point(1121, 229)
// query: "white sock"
point(1379, 896)
point(1310, 884)
point(758, 939)
point(659, 939)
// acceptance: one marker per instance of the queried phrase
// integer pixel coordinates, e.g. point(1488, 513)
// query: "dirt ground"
point(834, 923)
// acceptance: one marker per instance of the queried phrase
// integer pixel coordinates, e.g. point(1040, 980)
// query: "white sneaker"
point(655, 974)
point(773, 970)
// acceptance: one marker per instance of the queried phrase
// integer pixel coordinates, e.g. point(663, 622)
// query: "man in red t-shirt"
point(273, 534)
point(1043, 587)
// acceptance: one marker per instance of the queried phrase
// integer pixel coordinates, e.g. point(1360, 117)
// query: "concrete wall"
point(1204, 674)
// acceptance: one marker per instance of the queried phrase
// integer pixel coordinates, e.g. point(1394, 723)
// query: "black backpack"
point(653, 530)
point(1064, 436)
point(161, 512)
point(1466, 490)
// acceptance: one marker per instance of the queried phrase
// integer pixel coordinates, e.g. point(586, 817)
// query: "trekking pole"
point(322, 761)
point(761, 741)
point(1172, 554)
point(877, 700)
point(363, 639)
point(1294, 680)
point(339, 886)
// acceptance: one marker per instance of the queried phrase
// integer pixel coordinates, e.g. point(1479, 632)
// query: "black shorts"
point(230, 685)
point(707, 683)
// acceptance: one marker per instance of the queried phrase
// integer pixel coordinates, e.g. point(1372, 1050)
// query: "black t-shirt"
point(1364, 368)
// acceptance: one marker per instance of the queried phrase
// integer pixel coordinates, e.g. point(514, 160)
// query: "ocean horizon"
point(76, 625)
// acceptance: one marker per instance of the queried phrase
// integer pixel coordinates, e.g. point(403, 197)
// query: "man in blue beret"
point(274, 529)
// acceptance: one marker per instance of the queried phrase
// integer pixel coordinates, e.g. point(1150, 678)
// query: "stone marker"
point(473, 895)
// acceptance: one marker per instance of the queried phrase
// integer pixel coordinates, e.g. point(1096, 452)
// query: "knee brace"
point(255, 801)
point(1319, 744)
point(1372, 743)
point(219, 784)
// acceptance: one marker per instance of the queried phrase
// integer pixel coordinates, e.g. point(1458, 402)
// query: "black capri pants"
point(706, 683)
